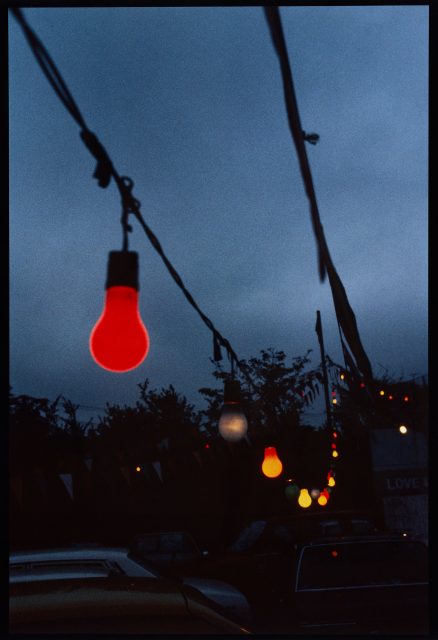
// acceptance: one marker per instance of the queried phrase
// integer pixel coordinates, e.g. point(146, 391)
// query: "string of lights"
point(105, 170)
point(122, 281)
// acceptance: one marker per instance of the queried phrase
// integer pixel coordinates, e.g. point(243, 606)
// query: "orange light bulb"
point(271, 466)
point(119, 341)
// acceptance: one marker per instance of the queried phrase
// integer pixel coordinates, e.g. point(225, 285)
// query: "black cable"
point(130, 205)
point(103, 173)
point(298, 135)
point(344, 312)
point(49, 69)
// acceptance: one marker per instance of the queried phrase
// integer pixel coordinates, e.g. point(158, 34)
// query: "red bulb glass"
point(119, 341)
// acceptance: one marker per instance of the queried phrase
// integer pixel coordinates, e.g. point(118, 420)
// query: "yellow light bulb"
point(335, 454)
point(403, 429)
point(304, 499)
point(322, 500)
point(331, 481)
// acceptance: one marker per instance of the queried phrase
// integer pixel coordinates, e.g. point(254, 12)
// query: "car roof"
point(82, 553)
point(36, 602)
point(375, 537)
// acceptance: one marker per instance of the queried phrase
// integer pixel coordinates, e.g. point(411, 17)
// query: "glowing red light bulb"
point(119, 341)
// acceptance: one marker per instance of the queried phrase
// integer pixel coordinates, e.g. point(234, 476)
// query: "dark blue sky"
point(189, 104)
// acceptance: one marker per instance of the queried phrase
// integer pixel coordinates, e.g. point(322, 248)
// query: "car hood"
point(223, 594)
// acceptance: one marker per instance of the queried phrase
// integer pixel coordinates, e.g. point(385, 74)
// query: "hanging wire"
point(103, 173)
point(298, 135)
point(344, 312)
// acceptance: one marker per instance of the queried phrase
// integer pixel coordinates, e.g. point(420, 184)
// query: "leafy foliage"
point(279, 398)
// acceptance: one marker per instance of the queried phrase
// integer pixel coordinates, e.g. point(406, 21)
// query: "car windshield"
point(362, 564)
point(172, 542)
point(248, 536)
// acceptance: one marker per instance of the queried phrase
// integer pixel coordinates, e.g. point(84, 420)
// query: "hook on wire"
point(129, 205)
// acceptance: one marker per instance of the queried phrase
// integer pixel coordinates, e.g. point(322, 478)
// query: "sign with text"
point(401, 481)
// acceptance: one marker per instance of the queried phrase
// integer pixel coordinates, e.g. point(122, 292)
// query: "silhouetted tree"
point(32, 422)
point(279, 398)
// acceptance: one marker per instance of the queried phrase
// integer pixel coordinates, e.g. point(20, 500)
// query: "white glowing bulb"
point(233, 424)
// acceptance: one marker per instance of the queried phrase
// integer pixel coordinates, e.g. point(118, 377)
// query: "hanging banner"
point(41, 481)
point(157, 467)
point(126, 474)
point(67, 480)
point(198, 457)
point(172, 469)
point(164, 444)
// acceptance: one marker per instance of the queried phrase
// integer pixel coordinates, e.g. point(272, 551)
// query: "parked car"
point(376, 584)
point(169, 551)
point(116, 605)
point(261, 558)
point(95, 562)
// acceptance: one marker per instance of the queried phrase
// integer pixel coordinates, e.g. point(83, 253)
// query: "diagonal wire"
point(49, 69)
point(276, 29)
point(343, 309)
point(103, 173)
point(105, 170)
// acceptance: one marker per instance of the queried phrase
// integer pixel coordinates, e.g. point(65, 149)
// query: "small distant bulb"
point(403, 429)
point(382, 393)
point(138, 469)
point(335, 454)
point(334, 401)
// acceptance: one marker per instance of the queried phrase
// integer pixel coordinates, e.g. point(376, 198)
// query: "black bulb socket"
point(232, 391)
point(122, 270)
